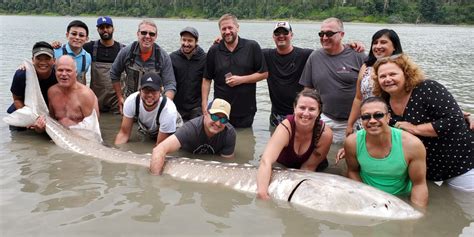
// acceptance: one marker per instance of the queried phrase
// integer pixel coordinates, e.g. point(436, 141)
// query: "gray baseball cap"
point(190, 30)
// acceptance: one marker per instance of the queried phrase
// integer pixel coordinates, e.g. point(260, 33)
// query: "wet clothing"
point(390, 173)
point(147, 120)
point(284, 72)
point(193, 138)
point(246, 59)
point(335, 77)
point(129, 60)
point(83, 60)
point(188, 74)
point(19, 84)
point(451, 153)
point(288, 156)
point(101, 85)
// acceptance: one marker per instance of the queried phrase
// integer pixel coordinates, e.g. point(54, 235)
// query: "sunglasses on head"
point(376, 116)
point(144, 33)
point(82, 35)
point(329, 34)
point(216, 118)
point(281, 32)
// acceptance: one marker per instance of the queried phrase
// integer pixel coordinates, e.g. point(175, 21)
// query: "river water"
point(46, 191)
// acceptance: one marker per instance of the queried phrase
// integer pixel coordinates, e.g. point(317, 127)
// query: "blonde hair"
point(413, 74)
point(228, 16)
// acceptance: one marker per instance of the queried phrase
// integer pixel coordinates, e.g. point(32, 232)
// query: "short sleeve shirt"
point(19, 84)
point(148, 118)
point(78, 58)
point(193, 138)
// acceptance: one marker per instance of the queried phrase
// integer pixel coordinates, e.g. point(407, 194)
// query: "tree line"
point(383, 11)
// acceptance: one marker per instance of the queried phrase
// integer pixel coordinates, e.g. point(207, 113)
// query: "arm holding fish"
point(415, 154)
point(353, 167)
point(320, 151)
point(125, 130)
point(278, 141)
point(170, 144)
point(205, 89)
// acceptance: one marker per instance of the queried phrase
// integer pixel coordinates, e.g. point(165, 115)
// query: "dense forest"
point(388, 11)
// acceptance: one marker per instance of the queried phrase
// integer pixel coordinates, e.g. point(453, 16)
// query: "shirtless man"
point(69, 101)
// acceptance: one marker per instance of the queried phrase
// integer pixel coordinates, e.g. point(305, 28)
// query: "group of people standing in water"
point(398, 128)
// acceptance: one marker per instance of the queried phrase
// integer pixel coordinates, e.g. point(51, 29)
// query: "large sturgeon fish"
point(321, 192)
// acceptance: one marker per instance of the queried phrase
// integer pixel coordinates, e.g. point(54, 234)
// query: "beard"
point(106, 36)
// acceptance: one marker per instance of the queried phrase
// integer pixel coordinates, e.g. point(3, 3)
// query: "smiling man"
point(77, 35)
point(236, 65)
point(333, 71)
point(188, 66)
point(156, 115)
point(386, 158)
point(140, 57)
point(207, 134)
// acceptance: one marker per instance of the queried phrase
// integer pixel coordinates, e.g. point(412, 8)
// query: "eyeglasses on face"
point(281, 32)
point(329, 34)
point(376, 116)
point(216, 118)
point(144, 33)
point(81, 35)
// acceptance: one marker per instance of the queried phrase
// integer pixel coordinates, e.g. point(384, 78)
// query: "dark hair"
point(374, 99)
point(42, 44)
point(78, 23)
point(392, 35)
point(314, 94)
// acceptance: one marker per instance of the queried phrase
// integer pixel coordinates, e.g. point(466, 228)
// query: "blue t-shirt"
point(79, 58)
point(19, 83)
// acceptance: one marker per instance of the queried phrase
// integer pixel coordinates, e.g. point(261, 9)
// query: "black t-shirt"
point(104, 54)
point(188, 74)
point(246, 59)
point(19, 83)
point(284, 72)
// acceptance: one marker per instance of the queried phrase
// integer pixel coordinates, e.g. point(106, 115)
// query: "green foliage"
point(389, 11)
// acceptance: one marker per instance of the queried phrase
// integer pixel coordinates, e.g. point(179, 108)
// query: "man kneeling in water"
point(387, 158)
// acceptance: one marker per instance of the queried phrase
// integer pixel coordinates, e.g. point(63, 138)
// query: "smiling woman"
point(425, 108)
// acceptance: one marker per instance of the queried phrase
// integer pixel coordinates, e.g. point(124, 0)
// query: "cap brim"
point(151, 85)
point(43, 52)
point(104, 24)
point(216, 111)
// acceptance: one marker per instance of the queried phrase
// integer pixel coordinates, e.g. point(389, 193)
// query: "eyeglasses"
point(81, 35)
point(282, 32)
point(329, 34)
point(216, 118)
point(144, 33)
point(376, 116)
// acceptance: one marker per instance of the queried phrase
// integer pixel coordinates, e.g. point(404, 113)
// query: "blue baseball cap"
point(104, 20)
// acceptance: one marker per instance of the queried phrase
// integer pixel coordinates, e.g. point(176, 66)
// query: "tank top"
point(288, 156)
point(389, 174)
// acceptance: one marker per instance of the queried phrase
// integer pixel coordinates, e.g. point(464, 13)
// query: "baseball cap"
point(282, 24)
point(104, 20)
point(190, 30)
point(219, 106)
point(42, 47)
point(151, 79)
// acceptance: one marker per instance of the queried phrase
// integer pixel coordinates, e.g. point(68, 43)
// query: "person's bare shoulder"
point(412, 145)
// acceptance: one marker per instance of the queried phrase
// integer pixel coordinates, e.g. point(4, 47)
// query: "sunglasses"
point(144, 33)
point(81, 35)
point(329, 34)
point(376, 116)
point(283, 32)
point(216, 118)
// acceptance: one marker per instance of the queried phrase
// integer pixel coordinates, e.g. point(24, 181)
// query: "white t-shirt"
point(148, 118)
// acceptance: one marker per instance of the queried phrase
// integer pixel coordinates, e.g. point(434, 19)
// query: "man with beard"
point(188, 66)
point(207, 134)
point(236, 65)
point(156, 115)
point(77, 35)
point(104, 52)
point(140, 57)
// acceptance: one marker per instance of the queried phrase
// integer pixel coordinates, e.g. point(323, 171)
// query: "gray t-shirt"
point(193, 138)
point(335, 77)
